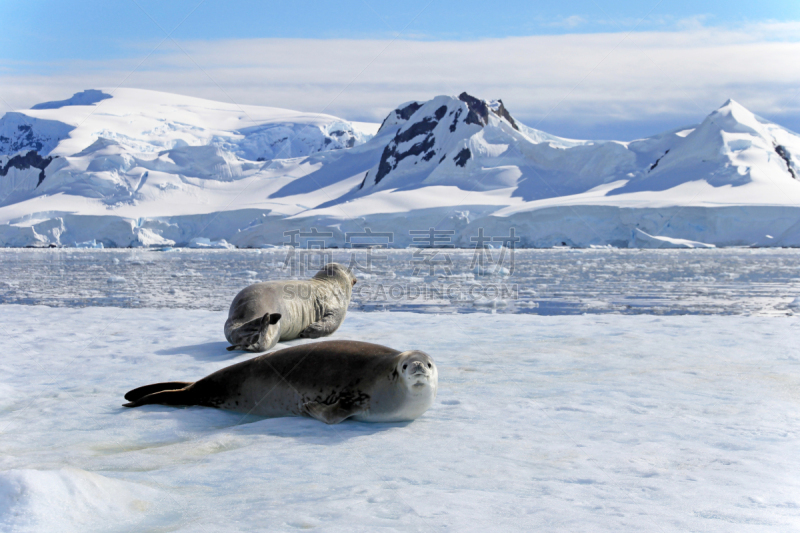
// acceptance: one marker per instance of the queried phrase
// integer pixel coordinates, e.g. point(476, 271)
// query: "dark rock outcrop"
point(392, 155)
point(32, 159)
point(462, 157)
point(455, 120)
point(784, 154)
point(479, 111)
point(501, 111)
point(402, 113)
point(406, 112)
point(654, 165)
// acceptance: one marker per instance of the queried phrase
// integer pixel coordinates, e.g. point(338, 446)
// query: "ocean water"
point(545, 282)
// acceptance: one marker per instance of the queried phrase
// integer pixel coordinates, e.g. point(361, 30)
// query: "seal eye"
point(405, 366)
point(429, 365)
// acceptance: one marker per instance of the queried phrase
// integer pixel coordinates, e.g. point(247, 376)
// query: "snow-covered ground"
point(140, 168)
point(590, 423)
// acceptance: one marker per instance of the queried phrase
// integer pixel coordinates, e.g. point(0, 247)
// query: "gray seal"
point(330, 381)
point(263, 314)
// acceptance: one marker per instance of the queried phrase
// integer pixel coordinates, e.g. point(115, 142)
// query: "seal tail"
point(141, 392)
point(251, 333)
point(166, 397)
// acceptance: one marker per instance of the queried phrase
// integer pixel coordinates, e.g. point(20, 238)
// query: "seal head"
point(418, 370)
point(409, 390)
point(338, 273)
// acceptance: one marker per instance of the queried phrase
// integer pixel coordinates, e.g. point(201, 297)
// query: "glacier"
point(136, 168)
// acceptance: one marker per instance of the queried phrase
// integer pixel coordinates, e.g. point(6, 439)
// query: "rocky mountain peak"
point(427, 132)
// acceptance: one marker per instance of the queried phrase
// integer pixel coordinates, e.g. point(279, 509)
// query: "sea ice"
point(563, 281)
point(569, 423)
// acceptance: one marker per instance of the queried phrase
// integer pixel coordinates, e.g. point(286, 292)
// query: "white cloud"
point(570, 22)
point(578, 78)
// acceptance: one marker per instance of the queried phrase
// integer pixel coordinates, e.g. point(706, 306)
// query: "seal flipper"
point(141, 392)
point(182, 396)
point(251, 333)
point(330, 414)
point(329, 323)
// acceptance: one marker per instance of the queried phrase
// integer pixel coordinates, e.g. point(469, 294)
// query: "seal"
point(263, 314)
point(329, 381)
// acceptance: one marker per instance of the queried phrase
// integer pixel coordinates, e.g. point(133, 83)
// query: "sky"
point(581, 69)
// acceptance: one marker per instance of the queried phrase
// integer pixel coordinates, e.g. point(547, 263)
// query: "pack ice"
point(142, 168)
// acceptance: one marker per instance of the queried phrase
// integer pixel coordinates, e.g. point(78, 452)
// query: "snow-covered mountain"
point(146, 168)
point(102, 147)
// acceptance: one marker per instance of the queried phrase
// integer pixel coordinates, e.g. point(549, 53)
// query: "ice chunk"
point(70, 499)
point(88, 244)
point(491, 270)
point(202, 242)
point(645, 240)
point(147, 237)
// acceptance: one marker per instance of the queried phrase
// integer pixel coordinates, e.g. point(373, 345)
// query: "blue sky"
point(46, 30)
point(51, 49)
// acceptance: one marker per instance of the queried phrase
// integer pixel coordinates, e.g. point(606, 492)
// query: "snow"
point(70, 499)
point(145, 121)
point(20, 132)
point(623, 423)
point(154, 169)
